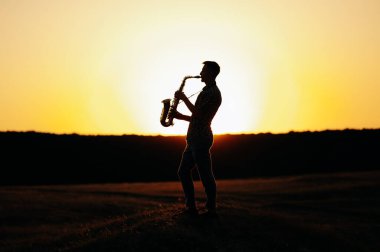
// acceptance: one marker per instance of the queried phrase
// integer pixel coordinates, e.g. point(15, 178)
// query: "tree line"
point(43, 158)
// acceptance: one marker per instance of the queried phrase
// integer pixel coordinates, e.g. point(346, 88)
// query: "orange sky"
point(103, 67)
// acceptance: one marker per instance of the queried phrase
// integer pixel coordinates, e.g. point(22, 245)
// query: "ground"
point(321, 212)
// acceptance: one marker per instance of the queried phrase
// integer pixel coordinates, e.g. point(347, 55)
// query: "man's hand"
point(180, 95)
point(179, 116)
point(175, 114)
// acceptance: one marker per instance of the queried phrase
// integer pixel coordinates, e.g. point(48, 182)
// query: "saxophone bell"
point(166, 118)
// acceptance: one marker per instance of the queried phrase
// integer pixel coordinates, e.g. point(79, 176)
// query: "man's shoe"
point(210, 214)
point(192, 212)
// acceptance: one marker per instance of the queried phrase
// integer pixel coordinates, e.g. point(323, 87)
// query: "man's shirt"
point(206, 106)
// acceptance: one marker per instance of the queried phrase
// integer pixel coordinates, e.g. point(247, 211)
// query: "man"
point(200, 139)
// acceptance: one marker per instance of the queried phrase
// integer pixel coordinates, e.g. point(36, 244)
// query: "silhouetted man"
point(200, 139)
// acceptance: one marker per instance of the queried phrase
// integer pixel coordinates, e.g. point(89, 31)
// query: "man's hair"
point(213, 67)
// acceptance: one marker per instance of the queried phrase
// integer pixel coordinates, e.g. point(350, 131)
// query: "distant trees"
point(41, 158)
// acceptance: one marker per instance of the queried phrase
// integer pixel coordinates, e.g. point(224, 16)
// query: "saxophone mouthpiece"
point(197, 76)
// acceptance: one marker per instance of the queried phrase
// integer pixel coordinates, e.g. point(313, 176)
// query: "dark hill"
point(42, 158)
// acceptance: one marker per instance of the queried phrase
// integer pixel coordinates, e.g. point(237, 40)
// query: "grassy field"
point(331, 212)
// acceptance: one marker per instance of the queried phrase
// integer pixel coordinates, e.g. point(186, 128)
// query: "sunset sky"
point(103, 67)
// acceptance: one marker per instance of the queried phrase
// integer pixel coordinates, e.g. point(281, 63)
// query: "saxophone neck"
point(188, 77)
point(191, 76)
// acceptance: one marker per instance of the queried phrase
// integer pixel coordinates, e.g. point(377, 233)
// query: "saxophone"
point(170, 105)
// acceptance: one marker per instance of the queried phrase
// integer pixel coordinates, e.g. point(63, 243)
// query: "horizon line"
point(184, 135)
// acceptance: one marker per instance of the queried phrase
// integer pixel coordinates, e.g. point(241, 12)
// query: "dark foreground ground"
point(335, 212)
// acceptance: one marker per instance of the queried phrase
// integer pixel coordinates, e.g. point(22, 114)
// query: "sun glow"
point(104, 68)
point(157, 74)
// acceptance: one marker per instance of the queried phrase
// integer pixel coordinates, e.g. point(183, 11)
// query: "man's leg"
point(204, 163)
point(186, 178)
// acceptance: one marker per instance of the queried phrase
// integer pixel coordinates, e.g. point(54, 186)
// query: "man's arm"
point(180, 116)
point(182, 96)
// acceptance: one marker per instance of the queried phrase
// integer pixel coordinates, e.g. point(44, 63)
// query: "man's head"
point(209, 71)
